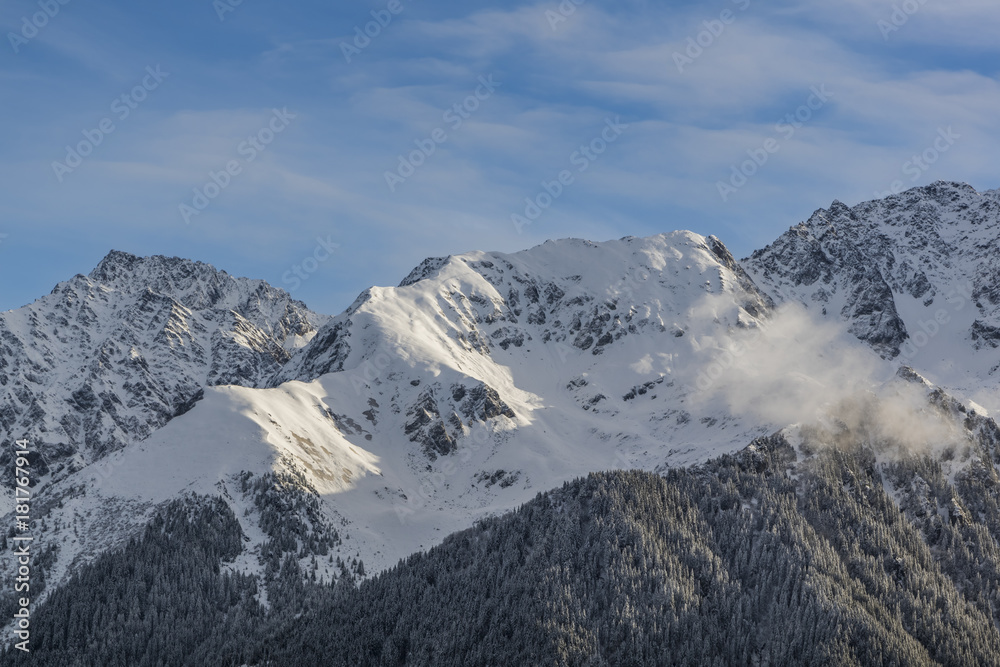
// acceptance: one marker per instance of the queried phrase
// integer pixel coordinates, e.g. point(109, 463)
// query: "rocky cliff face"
point(106, 359)
point(888, 267)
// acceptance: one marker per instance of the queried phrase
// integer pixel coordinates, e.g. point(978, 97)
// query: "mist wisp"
point(796, 370)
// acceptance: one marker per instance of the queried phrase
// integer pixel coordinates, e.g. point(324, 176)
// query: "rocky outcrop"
point(106, 359)
point(938, 244)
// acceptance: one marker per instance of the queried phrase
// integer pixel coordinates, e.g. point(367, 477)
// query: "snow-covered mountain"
point(915, 275)
point(483, 378)
point(480, 381)
point(106, 359)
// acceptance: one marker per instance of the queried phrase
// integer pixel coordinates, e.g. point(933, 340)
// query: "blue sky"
point(612, 97)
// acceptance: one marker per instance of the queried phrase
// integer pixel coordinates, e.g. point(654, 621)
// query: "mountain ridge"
point(887, 267)
point(480, 380)
point(125, 355)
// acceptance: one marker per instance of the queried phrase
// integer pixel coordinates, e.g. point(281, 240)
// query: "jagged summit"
point(891, 268)
point(105, 359)
point(192, 283)
point(575, 292)
point(124, 270)
point(114, 263)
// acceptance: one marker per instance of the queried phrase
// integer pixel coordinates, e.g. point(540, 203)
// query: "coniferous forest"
point(772, 556)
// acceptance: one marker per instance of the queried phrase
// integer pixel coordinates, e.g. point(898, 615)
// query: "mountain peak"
point(115, 263)
point(116, 257)
point(192, 283)
point(948, 185)
point(126, 271)
point(942, 192)
point(195, 325)
point(577, 293)
point(885, 266)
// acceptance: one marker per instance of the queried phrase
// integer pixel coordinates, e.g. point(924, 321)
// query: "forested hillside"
point(780, 554)
point(732, 563)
